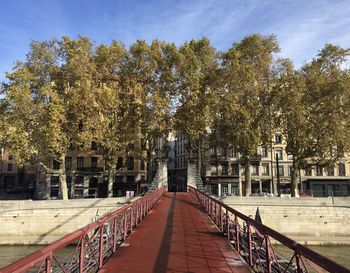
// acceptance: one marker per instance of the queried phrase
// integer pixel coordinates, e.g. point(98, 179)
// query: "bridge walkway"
point(175, 237)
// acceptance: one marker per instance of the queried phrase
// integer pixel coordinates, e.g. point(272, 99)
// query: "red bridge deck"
point(175, 237)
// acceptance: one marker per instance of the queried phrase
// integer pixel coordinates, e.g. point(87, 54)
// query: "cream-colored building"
point(224, 171)
point(86, 175)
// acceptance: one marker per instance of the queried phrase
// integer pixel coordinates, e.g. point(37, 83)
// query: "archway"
point(93, 187)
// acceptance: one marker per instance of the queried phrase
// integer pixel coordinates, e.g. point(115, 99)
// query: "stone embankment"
point(42, 222)
point(312, 221)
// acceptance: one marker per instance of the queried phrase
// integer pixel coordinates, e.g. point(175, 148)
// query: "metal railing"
point(252, 240)
point(91, 246)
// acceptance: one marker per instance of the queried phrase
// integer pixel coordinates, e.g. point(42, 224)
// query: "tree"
point(314, 110)
point(197, 71)
point(46, 95)
point(111, 127)
point(244, 118)
point(148, 81)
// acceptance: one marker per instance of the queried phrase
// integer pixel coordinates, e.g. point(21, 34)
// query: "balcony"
point(90, 169)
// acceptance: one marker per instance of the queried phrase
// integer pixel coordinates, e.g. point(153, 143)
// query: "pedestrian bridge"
point(185, 232)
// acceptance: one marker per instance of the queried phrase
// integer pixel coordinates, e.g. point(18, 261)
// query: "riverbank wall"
point(310, 221)
point(43, 222)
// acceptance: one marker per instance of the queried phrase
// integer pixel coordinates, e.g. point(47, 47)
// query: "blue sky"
point(302, 26)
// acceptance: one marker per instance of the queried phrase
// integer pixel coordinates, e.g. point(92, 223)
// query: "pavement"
point(176, 237)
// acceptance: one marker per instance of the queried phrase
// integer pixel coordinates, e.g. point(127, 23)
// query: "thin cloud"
point(302, 27)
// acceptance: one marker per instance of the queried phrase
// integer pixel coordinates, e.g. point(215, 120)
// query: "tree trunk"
point(294, 179)
point(248, 181)
point(63, 193)
point(110, 175)
point(200, 157)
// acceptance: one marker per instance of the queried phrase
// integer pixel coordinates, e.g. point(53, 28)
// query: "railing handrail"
point(47, 251)
point(310, 254)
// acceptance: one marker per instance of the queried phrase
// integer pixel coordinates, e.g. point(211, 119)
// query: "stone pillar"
point(219, 189)
point(86, 185)
point(229, 188)
point(72, 193)
point(239, 181)
point(191, 173)
point(163, 173)
point(260, 186)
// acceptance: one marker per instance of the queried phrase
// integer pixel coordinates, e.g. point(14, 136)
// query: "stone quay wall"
point(310, 221)
point(42, 222)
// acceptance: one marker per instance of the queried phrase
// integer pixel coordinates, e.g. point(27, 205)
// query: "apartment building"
point(223, 171)
point(86, 175)
point(15, 179)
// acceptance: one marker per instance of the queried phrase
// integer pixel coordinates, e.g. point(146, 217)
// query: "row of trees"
point(70, 91)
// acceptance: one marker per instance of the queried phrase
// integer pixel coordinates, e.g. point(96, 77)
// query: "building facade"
point(86, 173)
point(223, 171)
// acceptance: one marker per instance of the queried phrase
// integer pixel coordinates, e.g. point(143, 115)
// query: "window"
point(235, 169)
point(10, 157)
point(71, 147)
point(79, 180)
point(69, 185)
point(79, 186)
point(142, 165)
point(214, 170)
point(119, 179)
point(54, 186)
point(319, 170)
point(224, 169)
point(279, 154)
point(289, 170)
point(255, 169)
point(130, 179)
point(68, 163)
point(94, 162)
point(278, 139)
point(341, 169)
point(280, 171)
point(242, 170)
point(80, 162)
point(143, 144)
point(9, 167)
point(340, 150)
point(94, 146)
point(55, 164)
point(308, 171)
point(130, 163)
point(130, 146)
point(290, 157)
point(224, 189)
point(264, 151)
point(119, 163)
point(330, 171)
point(265, 169)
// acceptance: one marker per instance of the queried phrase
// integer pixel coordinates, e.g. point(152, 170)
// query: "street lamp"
point(278, 177)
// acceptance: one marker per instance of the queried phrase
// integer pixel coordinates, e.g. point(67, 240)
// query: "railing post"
point(215, 218)
point(237, 234)
point(268, 256)
point(222, 219)
point(115, 233)
point(297, 259)
point(81, 256)
point(137, 214)
point(124, 226)
point(228, 224)
point(100, 260)
point(141, 210)
point(250, 258)
point(131, 218)
point(211, 208)
point(48, 263)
